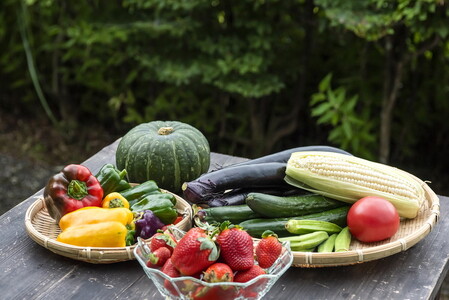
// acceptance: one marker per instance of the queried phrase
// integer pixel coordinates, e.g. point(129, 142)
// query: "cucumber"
point(238, 196)
point(255, 227)
point(232, 213)
point(272, 206)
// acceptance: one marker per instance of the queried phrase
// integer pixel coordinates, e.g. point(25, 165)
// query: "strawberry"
point(161, 239)
point(214, 293)
point(206, 293)
point(236, 246)
point(169, 269)
point(218, 272)
point(268, 250)
point(158, 257)
point(194, 252)
point(247, 275)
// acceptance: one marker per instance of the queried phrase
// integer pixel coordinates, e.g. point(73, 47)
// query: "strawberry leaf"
point(225, 225)
point(268, 233)
point(208, 244)
point(214, 254)
point(154, 259)
point(167, 239)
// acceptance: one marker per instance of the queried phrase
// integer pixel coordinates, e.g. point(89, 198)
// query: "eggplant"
point(249, 176)
point(234, 197)
point(283, 156)
point(263, 172)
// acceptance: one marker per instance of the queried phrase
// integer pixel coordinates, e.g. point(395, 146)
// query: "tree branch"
point(425, 47)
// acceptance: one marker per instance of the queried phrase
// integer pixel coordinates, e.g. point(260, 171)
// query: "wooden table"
point(29, 271)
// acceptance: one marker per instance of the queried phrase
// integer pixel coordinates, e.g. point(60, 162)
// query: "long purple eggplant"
point(283, 156)
point(263, 172)
point(245, 176)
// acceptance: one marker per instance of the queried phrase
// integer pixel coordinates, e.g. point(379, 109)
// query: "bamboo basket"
point(43, 229)
point(410, 232)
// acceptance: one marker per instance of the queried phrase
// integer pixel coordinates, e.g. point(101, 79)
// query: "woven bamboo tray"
point(410, 232)
point(43, 230)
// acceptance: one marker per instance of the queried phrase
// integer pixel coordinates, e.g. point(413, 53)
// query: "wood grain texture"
point(29, 271)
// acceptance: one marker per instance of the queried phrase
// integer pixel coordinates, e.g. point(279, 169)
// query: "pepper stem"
point(77, 189)
point(116, 202)
point(123, 173)
point(165, 130)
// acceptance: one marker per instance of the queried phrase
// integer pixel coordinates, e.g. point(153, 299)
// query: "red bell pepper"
point(72, 188)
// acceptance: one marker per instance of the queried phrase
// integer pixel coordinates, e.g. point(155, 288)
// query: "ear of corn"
point(348, 178)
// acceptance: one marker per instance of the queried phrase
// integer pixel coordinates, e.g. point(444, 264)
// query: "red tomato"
point(373, 219)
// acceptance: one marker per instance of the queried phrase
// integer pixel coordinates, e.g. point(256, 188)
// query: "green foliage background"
point(254, 76)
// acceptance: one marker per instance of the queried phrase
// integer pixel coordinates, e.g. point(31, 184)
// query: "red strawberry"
point(206, 293)
point(218, 272)
point(194, 252)
point(268, 250)
point(236, 247)
point(214, 293)
point(169, 269)
point(161, 239)
point(247, 275)
point(158, 257)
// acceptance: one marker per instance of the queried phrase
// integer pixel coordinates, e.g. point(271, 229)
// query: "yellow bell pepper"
point(96, 215)
point(104, 234)
point(113, 200)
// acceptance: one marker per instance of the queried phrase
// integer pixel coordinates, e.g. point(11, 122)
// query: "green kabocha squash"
point(168, 152)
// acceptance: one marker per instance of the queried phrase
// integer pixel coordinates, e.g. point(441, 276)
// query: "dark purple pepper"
point(147, 224)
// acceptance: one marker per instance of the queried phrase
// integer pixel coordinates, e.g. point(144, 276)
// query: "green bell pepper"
point(137, 192)
point(122, 185)
point(111, 179)
point(161, 204)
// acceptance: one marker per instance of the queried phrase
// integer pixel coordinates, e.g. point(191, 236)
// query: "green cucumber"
point(343, 240)
point(271, 206)
point(232, 213)
point(255, 227)
point(308, 226)
point(328, 245)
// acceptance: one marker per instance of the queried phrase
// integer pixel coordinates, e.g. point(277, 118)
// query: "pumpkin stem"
point(165, 130)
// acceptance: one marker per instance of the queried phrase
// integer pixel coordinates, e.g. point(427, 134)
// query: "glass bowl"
point(187, 287)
